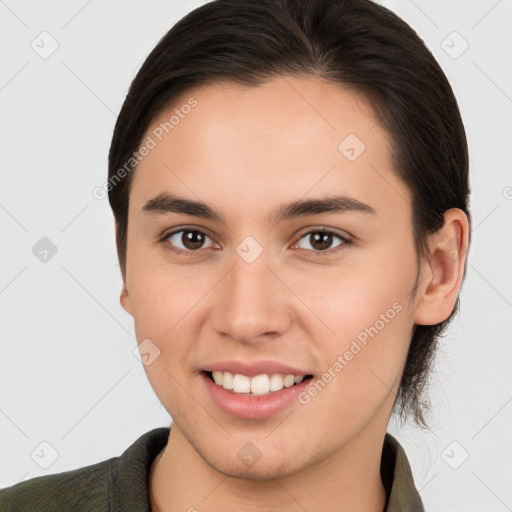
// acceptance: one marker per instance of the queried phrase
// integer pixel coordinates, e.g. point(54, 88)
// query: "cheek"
point(166, 307)
point(169, 309)
point(162, 294)
point(358, 295)
point(362, 365)
point(361, 332)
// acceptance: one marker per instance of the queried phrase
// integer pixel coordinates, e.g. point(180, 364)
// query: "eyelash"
point(181, 252)
point(346, 242)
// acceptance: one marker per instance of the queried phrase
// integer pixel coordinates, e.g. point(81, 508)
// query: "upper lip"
point(253, 368)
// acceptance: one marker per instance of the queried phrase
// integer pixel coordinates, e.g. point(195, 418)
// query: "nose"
point(251, 303)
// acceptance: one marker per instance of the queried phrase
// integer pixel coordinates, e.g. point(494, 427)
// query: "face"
point(299, 261)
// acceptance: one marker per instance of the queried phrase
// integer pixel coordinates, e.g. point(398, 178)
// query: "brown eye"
point(188, 239)
point(320, 240)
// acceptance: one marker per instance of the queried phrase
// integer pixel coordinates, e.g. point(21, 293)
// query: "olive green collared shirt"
point(120, 484)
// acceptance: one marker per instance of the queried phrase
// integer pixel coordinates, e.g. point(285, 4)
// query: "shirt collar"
point(397, 477)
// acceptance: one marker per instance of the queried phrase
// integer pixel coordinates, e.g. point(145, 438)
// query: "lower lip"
point(255, 407)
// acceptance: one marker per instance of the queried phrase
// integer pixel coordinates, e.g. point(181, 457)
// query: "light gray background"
point(68, 375)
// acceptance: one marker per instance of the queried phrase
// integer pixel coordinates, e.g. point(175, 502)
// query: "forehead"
point(307, 107)
point(290, 136)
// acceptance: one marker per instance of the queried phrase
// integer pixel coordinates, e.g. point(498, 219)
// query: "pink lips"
point(255, 407)
point(251, 369)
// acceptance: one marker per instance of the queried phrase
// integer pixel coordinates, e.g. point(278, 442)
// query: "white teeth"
point(241, 384)
point(276, 382)
point(289, 381)
point(258, 385)
point(217, 377)
point(227, 380)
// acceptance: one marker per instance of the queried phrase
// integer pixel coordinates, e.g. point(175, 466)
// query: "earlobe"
point(124, 299)
point(442, 274)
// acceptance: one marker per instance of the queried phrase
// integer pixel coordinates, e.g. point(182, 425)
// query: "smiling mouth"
point(263, 384)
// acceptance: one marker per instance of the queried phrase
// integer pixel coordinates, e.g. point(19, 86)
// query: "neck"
point(348, 480)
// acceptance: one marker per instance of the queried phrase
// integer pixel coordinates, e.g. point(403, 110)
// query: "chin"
point(263, 470)
point(249, 463)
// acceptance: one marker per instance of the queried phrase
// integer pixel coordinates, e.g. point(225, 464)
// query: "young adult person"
point(289, 181)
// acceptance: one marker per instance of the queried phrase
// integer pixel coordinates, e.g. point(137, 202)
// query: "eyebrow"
point(170, 203)
point(331, 204)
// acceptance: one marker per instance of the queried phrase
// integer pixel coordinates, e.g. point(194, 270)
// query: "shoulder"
point(119, 483)
point(74, 490)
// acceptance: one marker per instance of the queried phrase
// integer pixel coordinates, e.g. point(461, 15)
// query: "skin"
point(245, 151)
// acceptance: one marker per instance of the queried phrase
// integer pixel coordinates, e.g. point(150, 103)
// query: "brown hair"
point(355, 43)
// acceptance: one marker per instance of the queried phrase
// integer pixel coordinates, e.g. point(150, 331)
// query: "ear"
point(124, 298)
point(442, 273)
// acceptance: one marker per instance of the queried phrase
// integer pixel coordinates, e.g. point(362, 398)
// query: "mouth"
point(254, 390)
point(258, 385)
